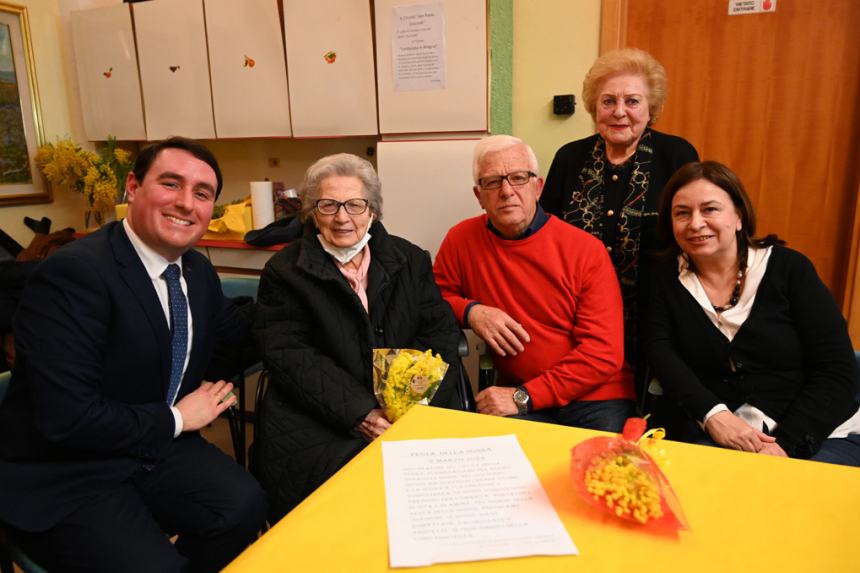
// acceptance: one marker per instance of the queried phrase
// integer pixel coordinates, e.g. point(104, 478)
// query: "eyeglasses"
point(331, 207)
point(515, 179)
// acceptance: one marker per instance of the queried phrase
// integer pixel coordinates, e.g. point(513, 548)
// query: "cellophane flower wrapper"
point(403, 377)
point(616, 475)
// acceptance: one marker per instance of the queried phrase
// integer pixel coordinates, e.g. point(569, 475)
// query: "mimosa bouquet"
point(99, 177)
point(617, 475)
point(403, 377)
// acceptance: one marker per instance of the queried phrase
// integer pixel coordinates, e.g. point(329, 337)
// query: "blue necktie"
point(178, 327)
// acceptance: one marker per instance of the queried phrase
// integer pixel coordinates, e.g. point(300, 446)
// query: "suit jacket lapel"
point(134, 274)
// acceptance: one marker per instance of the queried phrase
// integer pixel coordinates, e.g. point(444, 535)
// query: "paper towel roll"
point(262, 203)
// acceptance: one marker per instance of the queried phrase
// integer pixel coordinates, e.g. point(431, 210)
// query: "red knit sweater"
point(560, 285)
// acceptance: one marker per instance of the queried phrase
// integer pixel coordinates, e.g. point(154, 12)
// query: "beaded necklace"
point(739, 283)
point(736, 292)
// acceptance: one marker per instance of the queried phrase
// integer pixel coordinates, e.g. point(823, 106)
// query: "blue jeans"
point(606, 415)
point(843, 451)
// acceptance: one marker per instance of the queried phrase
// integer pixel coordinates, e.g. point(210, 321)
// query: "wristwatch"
point(522, 400)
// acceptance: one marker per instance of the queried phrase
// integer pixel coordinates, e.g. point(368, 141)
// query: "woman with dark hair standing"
point(609, 184)
point(743, 334)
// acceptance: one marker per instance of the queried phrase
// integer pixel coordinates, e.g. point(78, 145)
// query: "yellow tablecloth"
point(747, 512)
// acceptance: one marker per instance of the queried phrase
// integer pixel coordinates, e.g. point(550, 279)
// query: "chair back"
point(234, 286)
point(464, 385)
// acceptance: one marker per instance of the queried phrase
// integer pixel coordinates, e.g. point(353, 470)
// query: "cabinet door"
point(107, 73)
point(330, 58)
point(247, 67)
point(432, 65)
point(174, 68)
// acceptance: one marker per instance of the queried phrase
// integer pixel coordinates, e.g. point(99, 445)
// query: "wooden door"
point(774, 96)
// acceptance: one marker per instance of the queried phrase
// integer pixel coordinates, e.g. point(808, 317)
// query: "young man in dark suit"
point(100, 454)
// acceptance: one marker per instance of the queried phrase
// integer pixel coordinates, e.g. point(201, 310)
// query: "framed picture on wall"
point(20, 117)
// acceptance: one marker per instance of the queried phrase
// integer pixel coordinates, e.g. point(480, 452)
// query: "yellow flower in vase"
point(64, 164)
point(122, 156)
point(99, 177)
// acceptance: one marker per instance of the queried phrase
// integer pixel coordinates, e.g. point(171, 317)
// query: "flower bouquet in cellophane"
point(617, 475)
point(403, 377)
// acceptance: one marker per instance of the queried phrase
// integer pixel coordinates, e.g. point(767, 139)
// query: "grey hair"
point(496, 143)
point(343, 165)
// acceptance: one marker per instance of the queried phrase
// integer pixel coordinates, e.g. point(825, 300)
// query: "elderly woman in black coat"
point(325, 302)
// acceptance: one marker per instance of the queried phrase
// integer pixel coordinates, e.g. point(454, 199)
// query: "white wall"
point(555, 42)
point(60, 117)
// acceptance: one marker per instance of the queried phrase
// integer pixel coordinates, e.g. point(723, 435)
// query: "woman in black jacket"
point(743, 335)
point(325, 302)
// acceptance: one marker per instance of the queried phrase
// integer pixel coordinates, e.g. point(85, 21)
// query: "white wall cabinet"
point(106, 62)
point(222, 71)
point(454, 95)
point(174, 68)
point(330, 57)
point(247, 68)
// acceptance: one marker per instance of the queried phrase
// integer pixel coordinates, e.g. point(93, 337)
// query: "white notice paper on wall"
point(418, 47)
point(467, 499)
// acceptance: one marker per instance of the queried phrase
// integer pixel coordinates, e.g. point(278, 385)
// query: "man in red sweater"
point(542, 294)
